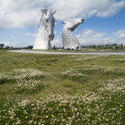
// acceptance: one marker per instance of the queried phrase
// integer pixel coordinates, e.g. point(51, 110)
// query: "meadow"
point(38, 89)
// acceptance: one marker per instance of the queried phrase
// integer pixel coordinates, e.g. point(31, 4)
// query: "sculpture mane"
point(70, 41)
point(45, 31)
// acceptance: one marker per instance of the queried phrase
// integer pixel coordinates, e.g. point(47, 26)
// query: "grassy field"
point(61, 89)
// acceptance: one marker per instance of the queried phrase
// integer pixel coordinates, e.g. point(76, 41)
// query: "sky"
point(104, 20)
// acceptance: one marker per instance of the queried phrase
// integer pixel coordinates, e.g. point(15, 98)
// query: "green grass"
point(61, 89)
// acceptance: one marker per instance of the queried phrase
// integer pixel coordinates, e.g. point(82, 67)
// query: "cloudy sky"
point(104, 20)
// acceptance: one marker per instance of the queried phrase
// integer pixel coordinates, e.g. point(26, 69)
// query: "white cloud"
point(23, 13)
point(94, 38)
point(86, 8)
point(19, 13)
point(17, 43)
point(33, 35)
point(120, 34)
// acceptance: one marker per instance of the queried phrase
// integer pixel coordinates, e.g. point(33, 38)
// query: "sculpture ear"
point(54, 12)
point(44, 10)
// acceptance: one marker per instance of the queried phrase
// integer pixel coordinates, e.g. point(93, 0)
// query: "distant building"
point(1, 46)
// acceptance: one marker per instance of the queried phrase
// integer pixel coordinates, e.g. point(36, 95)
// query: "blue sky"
point(104, 21)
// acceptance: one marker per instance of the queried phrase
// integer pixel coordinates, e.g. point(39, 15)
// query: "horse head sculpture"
point(68, 39)
point(45, 32)
point(73, 24)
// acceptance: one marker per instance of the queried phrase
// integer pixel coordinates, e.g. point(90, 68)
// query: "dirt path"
point(68, 53)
